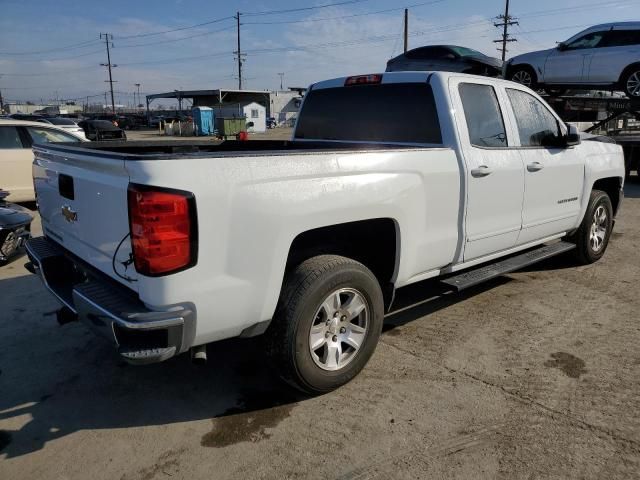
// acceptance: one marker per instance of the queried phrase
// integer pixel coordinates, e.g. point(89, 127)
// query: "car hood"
point(531, 56)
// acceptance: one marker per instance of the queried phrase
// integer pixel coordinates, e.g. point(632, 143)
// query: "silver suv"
point(601, 57)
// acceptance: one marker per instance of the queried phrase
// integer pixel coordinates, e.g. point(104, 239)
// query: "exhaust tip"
point(199, 355)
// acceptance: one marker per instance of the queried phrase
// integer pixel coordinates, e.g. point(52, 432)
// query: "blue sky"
point(306, 45)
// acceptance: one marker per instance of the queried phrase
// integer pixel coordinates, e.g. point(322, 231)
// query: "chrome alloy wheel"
point(523, 77)
point(633, 84)
point(598, 231)
point(339, 329)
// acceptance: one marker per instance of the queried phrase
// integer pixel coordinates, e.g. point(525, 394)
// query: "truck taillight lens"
point(163, 230)
point(374, 79)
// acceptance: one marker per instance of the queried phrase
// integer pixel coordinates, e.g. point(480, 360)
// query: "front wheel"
point(327, 323)
point(594, 232)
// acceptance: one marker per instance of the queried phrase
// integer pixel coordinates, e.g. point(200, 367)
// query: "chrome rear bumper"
point(141, 335)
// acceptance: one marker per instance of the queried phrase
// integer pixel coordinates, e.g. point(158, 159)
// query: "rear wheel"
point(327, 323)
point(524, 75)
point(594, 232)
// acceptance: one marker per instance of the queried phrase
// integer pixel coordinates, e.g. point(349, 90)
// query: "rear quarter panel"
point(251, 208)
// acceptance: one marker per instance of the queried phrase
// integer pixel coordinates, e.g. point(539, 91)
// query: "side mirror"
point(573, 136)
point(561, 47)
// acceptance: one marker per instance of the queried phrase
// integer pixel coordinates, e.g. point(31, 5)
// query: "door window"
point(47, 135)
point(621, 38)
point(10, 138)
point(536, 124)
point(590, 40)
point(484, 118)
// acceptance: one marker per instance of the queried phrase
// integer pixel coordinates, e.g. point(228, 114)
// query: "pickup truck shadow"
point(632, 187)
point(55, 381)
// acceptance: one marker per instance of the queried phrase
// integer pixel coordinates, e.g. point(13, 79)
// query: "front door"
point(569, 64)
point(495, 173)
point(554, 175)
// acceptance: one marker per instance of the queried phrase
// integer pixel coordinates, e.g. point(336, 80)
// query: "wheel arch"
point(626, 71)
point(612, 187)
point(354, 240)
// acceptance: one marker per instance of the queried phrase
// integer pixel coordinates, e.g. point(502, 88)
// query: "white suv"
point(601, 57)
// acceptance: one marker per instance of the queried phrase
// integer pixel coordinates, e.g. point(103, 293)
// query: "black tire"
point(305, 289)
point(555, 92)
point(520, 73)
point(629, 79)
point(585, 252)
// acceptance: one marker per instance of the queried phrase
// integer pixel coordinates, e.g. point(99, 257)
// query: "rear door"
point(619, 49)
point(15, 164)
point(495, 176)
point(554, 175)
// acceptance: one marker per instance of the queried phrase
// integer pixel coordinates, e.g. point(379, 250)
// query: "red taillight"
point(364, 80)
point(162, 224)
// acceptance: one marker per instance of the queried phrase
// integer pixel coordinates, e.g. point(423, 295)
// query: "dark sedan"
point(98, 130)
point(446, 58)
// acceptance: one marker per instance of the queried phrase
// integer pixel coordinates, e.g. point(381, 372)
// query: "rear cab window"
point(483, 115)
point(384, 113)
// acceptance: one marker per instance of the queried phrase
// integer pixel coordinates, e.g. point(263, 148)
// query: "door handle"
point(535, 167)
point(481, 171)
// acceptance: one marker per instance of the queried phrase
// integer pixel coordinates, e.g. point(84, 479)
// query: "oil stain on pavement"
point(570, 365)
point(249, 421)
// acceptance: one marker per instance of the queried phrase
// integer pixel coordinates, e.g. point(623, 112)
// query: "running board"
point(478, 275)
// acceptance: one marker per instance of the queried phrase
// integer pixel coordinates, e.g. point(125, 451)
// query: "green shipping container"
point(230, 126)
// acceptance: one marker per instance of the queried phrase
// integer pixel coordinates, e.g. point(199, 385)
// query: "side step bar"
point(481, 274)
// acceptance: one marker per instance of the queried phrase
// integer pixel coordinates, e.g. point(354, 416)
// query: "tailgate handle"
point(65, 186)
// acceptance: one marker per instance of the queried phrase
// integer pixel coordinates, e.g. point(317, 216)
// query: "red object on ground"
point(242, 136)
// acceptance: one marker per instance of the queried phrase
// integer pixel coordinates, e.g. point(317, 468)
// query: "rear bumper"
point(141, 335)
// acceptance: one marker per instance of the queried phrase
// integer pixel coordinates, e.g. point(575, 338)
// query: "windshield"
point(389, 113)
point(467, 52)
point(61, 121)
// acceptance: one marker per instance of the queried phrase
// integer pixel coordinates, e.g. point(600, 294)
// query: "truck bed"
point(158, 150)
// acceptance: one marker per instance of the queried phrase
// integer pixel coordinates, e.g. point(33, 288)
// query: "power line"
point(173, 40)
point(304, 9)
point(37, 52)
point(179, 29)
point(342, 17)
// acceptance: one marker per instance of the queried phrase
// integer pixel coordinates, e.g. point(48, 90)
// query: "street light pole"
point(137, 104)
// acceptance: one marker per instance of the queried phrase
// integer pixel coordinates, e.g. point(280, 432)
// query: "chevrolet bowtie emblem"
point(69, 215)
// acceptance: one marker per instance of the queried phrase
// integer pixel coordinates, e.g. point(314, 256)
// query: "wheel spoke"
point(357, 328)
point(355, 306)
point(355, 339)
point(333, 355)
point(317, 337)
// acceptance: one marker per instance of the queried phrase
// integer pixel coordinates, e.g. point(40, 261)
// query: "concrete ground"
point(535, 375)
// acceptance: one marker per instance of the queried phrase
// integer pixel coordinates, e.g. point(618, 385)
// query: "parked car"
point(16, 140)
point(67, 124)
point(305, 241)
point(272, 122)
point(100, 130)
point(601, 57)
point(446, 58)
point(15, 227)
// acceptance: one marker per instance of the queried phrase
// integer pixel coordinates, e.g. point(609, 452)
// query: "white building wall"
point(256, 113)
point(284, 106)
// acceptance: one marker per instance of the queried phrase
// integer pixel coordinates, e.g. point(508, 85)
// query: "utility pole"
point(406, 30)
point(137, 104)
point(107, 38)
point(281, 74)
point(1, 101)
point(507, 21)
point(105, 100)
point(239, 53)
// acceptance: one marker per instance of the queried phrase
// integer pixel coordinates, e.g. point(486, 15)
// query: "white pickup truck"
point(389, 179)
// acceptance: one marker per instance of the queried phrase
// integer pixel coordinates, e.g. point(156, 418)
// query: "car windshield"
point(467, 52)
point(61, 121)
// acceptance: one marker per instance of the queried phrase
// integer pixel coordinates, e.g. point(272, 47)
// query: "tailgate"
point(82, 199)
